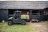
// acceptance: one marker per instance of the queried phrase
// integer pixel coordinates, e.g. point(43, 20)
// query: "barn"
point(30, 8)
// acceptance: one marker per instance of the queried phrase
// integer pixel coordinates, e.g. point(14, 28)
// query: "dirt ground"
point(41, 26)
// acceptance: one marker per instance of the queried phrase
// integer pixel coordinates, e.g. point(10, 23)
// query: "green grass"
point(16, 28)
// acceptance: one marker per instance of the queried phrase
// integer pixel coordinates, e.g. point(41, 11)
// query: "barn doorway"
point(24, 13)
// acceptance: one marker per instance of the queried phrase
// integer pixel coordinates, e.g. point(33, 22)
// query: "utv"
point(16, 18)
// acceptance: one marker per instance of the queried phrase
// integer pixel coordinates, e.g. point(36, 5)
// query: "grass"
point(16, 28)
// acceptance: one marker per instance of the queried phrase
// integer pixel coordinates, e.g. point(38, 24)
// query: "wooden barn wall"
point(23, 4)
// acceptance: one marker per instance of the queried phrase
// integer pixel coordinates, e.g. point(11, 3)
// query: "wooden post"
point(30, 14)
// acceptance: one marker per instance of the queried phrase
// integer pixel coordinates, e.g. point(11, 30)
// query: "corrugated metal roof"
point(23, 4)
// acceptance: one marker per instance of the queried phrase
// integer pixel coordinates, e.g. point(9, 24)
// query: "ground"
point(29, 27)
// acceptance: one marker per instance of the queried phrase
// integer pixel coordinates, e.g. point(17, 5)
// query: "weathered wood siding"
point(23, 4)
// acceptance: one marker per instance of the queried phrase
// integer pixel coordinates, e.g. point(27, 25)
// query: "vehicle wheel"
point(10, 23)
point(23, 22)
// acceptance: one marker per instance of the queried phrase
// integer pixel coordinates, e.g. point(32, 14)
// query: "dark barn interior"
point(5, 13)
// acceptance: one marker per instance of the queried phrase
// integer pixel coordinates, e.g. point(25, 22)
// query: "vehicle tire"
point(23, 22)
point(10, 23)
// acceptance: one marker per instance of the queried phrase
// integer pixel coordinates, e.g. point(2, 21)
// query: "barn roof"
point(23, 4)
